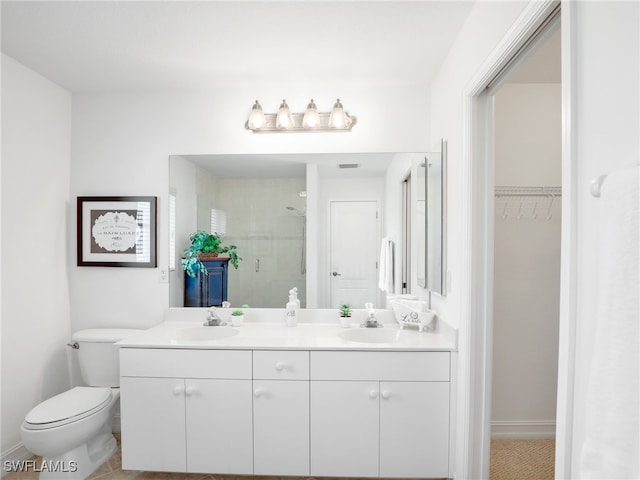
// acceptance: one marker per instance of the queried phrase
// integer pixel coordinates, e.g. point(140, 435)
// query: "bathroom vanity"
point(265, 399)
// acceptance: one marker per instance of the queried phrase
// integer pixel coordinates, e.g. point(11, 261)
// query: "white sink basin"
point(374, 335)
point(199, 334)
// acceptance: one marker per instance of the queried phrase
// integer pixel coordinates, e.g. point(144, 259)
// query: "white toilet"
point(72, 431)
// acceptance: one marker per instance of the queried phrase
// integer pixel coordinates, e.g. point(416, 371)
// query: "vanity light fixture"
point(256, 117)
point(284, 119)
point(338, 118)
point(310, 121)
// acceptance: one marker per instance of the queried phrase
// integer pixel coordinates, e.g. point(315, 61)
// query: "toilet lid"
point(68, 406)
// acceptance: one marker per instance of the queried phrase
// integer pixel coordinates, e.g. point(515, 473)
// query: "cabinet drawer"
point(280, 365)
point(398, 366)
point(155, 362)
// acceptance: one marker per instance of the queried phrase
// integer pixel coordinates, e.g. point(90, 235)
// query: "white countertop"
point(304, 336)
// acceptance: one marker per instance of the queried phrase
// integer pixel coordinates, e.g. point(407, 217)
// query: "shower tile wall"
point(270, 238)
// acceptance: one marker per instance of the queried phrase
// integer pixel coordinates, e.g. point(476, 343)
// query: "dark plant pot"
point(207, 256)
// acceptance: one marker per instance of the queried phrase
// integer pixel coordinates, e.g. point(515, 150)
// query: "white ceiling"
point(116, 45)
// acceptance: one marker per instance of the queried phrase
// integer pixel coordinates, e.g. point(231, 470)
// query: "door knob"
point(373, 394)
point(177, 390)
point(335, 274)
point(386, 394)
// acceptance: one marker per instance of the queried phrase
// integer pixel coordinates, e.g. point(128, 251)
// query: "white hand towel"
point(611, 446)
point(385, 281)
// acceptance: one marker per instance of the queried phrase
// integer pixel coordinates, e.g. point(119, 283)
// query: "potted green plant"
point(237, 317)
point(203, 244)
point(345, 315)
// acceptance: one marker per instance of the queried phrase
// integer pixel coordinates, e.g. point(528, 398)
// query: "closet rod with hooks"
point(529, 191)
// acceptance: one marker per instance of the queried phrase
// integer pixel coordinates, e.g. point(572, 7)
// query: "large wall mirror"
point(260, 202)
point(431, 220)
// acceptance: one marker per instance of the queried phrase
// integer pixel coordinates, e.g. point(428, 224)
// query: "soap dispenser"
point(291, 311)
point(294, 292)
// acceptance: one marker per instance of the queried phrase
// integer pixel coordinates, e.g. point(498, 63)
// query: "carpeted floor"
point(522, 459)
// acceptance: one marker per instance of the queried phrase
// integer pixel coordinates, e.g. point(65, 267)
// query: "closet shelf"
point(529, 191)
point(526, 202)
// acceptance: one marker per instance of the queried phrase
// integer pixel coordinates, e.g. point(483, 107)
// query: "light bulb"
point(311, 118)
point(283, 118)
point(338, 119)
point(256, 117)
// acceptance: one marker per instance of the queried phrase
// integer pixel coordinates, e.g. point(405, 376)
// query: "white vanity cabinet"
point(186, 410)
point(281, 412)
point(380, 414)
point(335, 413)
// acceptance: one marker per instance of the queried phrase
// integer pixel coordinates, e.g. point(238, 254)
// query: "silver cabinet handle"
point(257, 263)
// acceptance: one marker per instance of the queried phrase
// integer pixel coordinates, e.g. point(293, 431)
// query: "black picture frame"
point(117, 231)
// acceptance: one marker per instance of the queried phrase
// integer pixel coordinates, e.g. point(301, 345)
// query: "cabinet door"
point(344, 428)
point(281, 427)
point(153, 427)
point(219, 426)
point(414, 429)
point(216, 283)
point(193, 291)
point(207, 290)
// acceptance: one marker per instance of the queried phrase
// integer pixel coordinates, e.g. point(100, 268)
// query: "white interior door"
point(353, 247)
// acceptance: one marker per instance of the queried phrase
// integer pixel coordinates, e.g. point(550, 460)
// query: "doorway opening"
point(526, 137)
point(479, 211)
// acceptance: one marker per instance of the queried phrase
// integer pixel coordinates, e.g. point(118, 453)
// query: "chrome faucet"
point(213, 320)
point(371, 321)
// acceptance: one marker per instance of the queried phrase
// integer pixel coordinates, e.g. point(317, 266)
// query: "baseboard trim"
point(524, 429)
point(17, 453)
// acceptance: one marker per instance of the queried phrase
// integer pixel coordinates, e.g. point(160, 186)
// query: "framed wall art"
point(117, 231)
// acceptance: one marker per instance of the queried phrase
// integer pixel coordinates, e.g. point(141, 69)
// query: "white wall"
point(36, 216)
point(607, 121)
point(485, 27)
point(121, 142)
point(183, 175)
point(528, 152)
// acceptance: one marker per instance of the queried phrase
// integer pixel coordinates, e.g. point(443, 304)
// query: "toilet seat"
point(67, 407)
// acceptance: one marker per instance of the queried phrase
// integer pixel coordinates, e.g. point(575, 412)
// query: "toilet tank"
point(98, 356)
